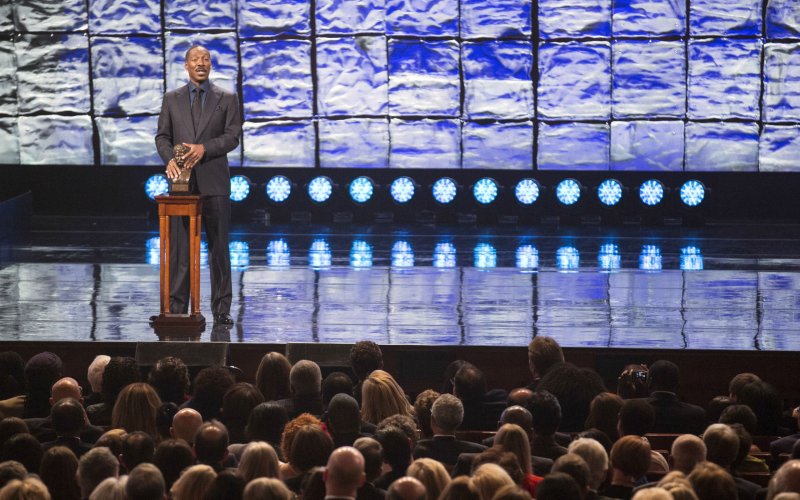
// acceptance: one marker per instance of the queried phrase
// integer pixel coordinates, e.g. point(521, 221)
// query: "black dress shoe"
point(223, 319)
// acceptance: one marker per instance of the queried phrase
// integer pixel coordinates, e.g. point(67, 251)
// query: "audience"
point(432, 474)
point(185, 424)
point(406, 488)
point(170, 378)
point(344, 420)
point(136, 409)
point(119, 372)
point(712, 482)
point(237, 403)
point(482, 407)
point(575, 388)
point(335, 383)
point(145, 482)
point(596, 459)
point(381, 397)
point(305, 380)
point(211, 444)
point(30, 488)
point(344, 473)
point(272, 376)
point(672, 415)
point(396, 454)
point(365, 358)
point(94, 467)
point(543, 354)
point(636, 418)
point(58, 471)
point(194, 482)
point(172, 457)
point(546, 418)
point(422, 409)
point(630, 460)
point(259, 460)
point(372, 452)
point(446, 416)
point(687, 451)
point(210, 386)
point(604, 414)
point(266, 423)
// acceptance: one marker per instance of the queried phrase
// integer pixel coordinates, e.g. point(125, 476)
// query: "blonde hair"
point(258, 460)
point(30, 488)
point(110, 488)
point(488, 479)
point(514, 439)
point(383, 397)
point(136, 409)
point(653, 494)
point(266, 488)
point(193, 483)
point(432, 474)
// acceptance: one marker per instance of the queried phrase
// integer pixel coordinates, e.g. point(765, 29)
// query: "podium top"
point(184, 204)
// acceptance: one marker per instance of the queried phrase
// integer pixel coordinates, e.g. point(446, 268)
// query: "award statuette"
point(181, 184)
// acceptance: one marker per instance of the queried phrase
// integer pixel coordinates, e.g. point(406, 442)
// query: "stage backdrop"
point(472, 84)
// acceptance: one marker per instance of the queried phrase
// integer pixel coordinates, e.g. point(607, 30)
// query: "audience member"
point(305, 380)
point(716, 406)
point(365, 358)
point(482, 407)
point(786, 443)
point(450, 375)
point(259, 460)
point(172, 456)
point(145, 482)
point(596, 459)
point(40, 372)
point(185, 424)
point(559, 486)
point(10, 426)
point(211, 444)
point(11, 469)
point(194, 482)
point(604, 414)
point(422, 409)
point(267, 488)
point(513, 438)
point(519, 396)
point(785, 480)
point(272, 377)
point(446, 416)
point(94, 374)
point(119, 372)
point(30, 488)
point(110, 488)
point(58, 471)
point(266, 423)
point(765, 402)
point(406, 488)
point(137, 447)
point(335, 383)
point(382, 397)
point(740, 414)
point(654, 493)
point(678, 486)
point(575, 388)
point(543, 354)
point(372, 452)
point(237, 403)
point(164, 417)
point(574, 466)
point(746, 463)
point(95, 466)
point(344, 420)
point(313, 485)
point(488, 479)
point(228, 485)
point(112, 439)
point(687, 451)
point(210, 386)
point(12, 375)
point(136, 408)
point(432, 474)
point(511, 492)
point(311, 447)
point(672, 415)
point(289, 431)
point(632, 382)
point(460, 488)
point(396, 454)
point(344, 473)
point(546, 418)
point(636, 418)
point(25, 449)
point(170, 378)
point(404, 423)
point(630, 461)
point(738, 382)
point(712, 482)
point(722, 445)
point(42, 428)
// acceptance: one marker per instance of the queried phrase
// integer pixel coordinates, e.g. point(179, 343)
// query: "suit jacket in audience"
point(307, 403)
point(541, 466)
point(386, 479)
point(547, 448)
point(783, 445)
point(445, 449)
point(42, 429)
point(484, 414)
point(674, 416)
point(746, 490)
point(370, 492)
point(74, 443)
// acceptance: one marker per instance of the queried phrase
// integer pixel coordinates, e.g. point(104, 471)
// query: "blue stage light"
point(278, 254)
point(153, 246)
point(692, 193)
point(320, 189)
point(568, 192)
point(240, 188)
point(691, 259)
point(240, 255)
point(444, 255)
point(527, 258)
point(609, 258)
point(485, 256)
point(319, 255)
point(445, 190)
point(278, 189)
point(360, 254)
point(402, 189)
point(651, 192)
point(361, 189)
point(402, 254)
point(568, 259)
point(527, 191)
point(485, 191)
point(156, 185)
point(650, 259)
point(609, 192)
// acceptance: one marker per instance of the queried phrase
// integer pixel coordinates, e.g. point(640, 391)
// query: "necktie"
point(197, 108)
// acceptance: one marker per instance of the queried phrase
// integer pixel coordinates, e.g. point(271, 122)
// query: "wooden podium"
point(167, 325)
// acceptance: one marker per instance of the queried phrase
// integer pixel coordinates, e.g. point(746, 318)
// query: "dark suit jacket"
point(445, 449)
point(483, 415)
point(783, 445)
point(42, 429)
point(77, 446)
point(745, 489)
point(674, 416)
point(307, 403)
point(219, 130)
point(369, 492)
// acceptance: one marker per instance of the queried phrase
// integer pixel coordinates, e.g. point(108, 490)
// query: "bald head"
point(406, 488)
point(519, 396)
point(517, 415)
point(185, 424)
point(786, 480)
point(66, 387)
point(344, 474)
point(687, 451)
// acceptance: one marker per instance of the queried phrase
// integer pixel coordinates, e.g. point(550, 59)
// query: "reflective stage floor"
point(718, 287)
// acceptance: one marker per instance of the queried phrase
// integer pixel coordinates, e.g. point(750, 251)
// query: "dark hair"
point(663, 376)
point(636, 417)
point(266, 423)
point(469, 383)
point(193, 47)
point(740, 414)
point(546, 412)
point(365, 357)
point(740, 380)
point(631, 455)
point(58, 468)
point(765, 402)
point(558, 486)
point(25, 449)
point(402, 422)
point(228, 485)
point(164, 415)
point(716, 406)
point(10, 426)
point(574, 465)
point(599, 436)
point(575, 388)
point(632, 382)
point(396, 447)
point(40, 372)
point(170, 378)
point(311, 447)
point(171, 457)
point(237, 404)
point(272, 376)
point(543, 354)
point(119, 372)
point(137, 447)
point(336, 383)
point(12, 374)
point(604, 413)
point(372, 451)
point(343, 414)
point(450, 374)
point(313, 486)
point(745, 442)
point(211, 442)
point(68, 417)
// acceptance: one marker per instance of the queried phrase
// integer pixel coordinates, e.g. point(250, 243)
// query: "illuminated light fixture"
point(278, 189)
point(609, 258)
point(445, 190)
point(319, 255)
point(568, 259)
point(240, 255)
point(527, 257)
point(156, 185)
point(361, 189)
point(692, 193)
point(153, 247)
point(691, 259)
point(320, 189)
point(609, 192)
point(444, 255)
point(402, 254)
point(485, 256)
point(568, 192)
point(203, 253)
point(650, 259)
point(278, 254)
point(240, 188)
point(361, 255)
point(527, 191)
point(651, 192)
point(485, 190)
point(402, 189)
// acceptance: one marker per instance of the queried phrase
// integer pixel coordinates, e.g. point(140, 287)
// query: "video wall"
point(616, 85)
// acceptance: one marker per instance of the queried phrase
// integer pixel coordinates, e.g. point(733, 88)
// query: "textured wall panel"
point(9, 144)
point(497, 80)
point(8, 78)
point(781, 82)
point(6, 17)
point(783, 18)
point(128, 141)
point(354, 143)
point(278, 144)
point(128, 75)
point(575, 81)
point(49, 15)
point(425, 144)
point(352, 76)
point(505, 146)
point(276, 79)
point(573, 146)
point(731, 17)
point(780, 149)
point(348, 17)
point(721, 147)
point(648, 79)
point(422, 17)
point(498, 18)
point(574, 18)
point(224, 63)
point(424, 78)
point(199, 14)
point(649, 17)
point(274, 17)
point(140, 17)
point(55, 140)
point(647, 145)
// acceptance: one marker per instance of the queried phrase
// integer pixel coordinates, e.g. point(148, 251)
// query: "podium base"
point(179, 326)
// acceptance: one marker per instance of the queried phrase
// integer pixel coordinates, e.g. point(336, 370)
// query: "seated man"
point(447, 413)
point(672, 415)
point(482, 407)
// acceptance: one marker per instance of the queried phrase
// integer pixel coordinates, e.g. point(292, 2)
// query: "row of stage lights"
point(320, 256)
point(445, 190)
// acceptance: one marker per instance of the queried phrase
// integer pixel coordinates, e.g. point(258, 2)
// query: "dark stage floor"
point(731, 287)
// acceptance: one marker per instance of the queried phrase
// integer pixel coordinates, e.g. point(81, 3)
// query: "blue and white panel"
point(721, 146)
point(9, 142)
point(55, 140)
point(125, 17)
point(649, 18)
point(500, 146)
point(425, 144)
point(128, 140)
point(498, 18)
point(573, 146)
point(224, 59)
point(352, 76)
point(424, 78)
point(781, 82)
point(276, 79)
point(49, 15)
point(647, 145)
point(354, 143)
point(128, 75)
point(780, 148)
point(278, 144)
point(783, 19)
point(274, 17)
point(348, 17)
point(574, 18)
point(728, 18)
point(649, 79)
point(199, 14)
point(574, 81)
point(497, 81)
point(8, 78)
point(422, 17)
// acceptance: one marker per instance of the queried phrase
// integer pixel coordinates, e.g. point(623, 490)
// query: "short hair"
point(636, 417)
point(488, 478)
point(94, 466)
point(259, 459)
point(145, 482)
point(511, 492)
point(292, 427)
point(604, 413)
point(631, 455)
point(460, 488)
point(305, 378)
point(211, 442)
point(422, 408)
point(655, 493)
point(678, 485)
point(722, 444)
point(402, 422)
point(738, 382)
point(10, 426)
point(11, 469)
point(574, 465)
point(745, 442)
point(663, 375)
point(194, 482)
point(267, 487)
point(170, 378)
point(311, 447)
point(687, 451)
point(595, 457)
point(171, 457)
point(716, 406)
point(469, 383)
point(112, 439)
point(211, 384)
point(740, 414)
point(29, 488)
point(396, 446)
point(365, 357)
point(229, 484)
point(785, 479)
point(557, 486)
point(25, 449)
point(712, 482)
point(95, 372)
point(432, 474)
point(194, 47)
point(119, 372)
point(546, 412)
point(68, 417)
point(137, 447)
point(336, 383)
point(343, 414)
point(372, 451)
point(272, 376)
point(543, 353)
point(237, 403)
point(448, 412)
point(266, 423)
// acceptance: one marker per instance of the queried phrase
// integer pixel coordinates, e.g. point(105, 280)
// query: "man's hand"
point(172, 170)
point(195, 154)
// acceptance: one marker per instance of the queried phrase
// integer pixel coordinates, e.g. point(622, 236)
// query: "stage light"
point(203, 253)
point(527, 191)
point(444, 255)
point(485, 191)
point(691, 259)
point(402, 254)
point(692, 193)
point(240, 255)
point(319, 255)
point(568, 192)
point(361, 189)
point(609, 192)
point(320, 189)
point(568, 259)
point(360, 254)
point(278, 189)
point(485, 256)
point(445, 190)
point(609, 258)
point(650, 259)
point(153, 246)
point(651, 192)
point(527, 257)
point(278, 254)
point(156, 185)
point(402, 189)
point(240, 188)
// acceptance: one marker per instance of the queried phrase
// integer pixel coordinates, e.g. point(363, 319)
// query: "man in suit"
point(673, 416)
point(207, 120)
point(447, 413)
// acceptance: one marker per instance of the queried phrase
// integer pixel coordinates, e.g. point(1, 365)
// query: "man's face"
point(198, 65)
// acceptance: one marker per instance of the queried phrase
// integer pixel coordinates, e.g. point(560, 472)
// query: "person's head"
point(112, 439)
point(344, 472)
point(785, 480)
point(576, 467)
point(722, 445)
point(406, 488)
point(557, 486)
point(595, 457)
point(228, 485)
point(237, 403)
point(517, 415)
point(519, 396)
point(511, 492)
point(604, 413)
point(546, 413)
point(193, 483)
point(272, 376)
point(58, 471)
point(137, 447)
point(543, 353)
point(372, 451)
point(422, 409)
point(266, 423)
point(110, 488)
point(738, 382)
point(94, 466)
point(447, 413)
point(460, 488)
point(402, 422)
point(94, 374)
point(469, 383)
point(505, 459)
point(305, 378)
point(382, 396)
point(766, 403)
point(171, 457)
point(12, 374)
point(258, 460)
point(716, 406)
point(119, 372)
point(365, 357)
point(488, 478)
point(42, 371)
point(336, 383)
point(450, 375)
point(211, 443)
point(432, 474)
point(66, 387)
point(712, 482)
point(10, 426)
point(396, 447)
point(291, 429)
point(632, 382)
point(25, 449)
point(513, 438)
point(145, 482)
point(11, 469)
point(211, 384)
point(164, 416)
point(654, 493)
point(687, 451)
point(663, 376)
point(740, 414)
point(267, 487)
point(170, 378)
point(136, 409)
point(185, 424)
point(197, 62)
point(30, 488)
point(745, 442)
point(344, 415)
point(630, 456)
point(311, 447)
point(68, 417)
point(636, 418)
point(678, 485)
